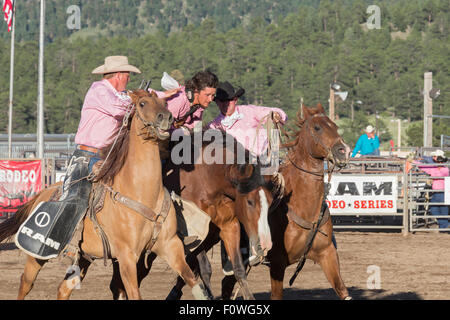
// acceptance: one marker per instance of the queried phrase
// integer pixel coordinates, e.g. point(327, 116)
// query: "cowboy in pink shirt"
point(105, 104)
point(103, 110)
point(242, 121)
point(101, 117)
point(187, 103)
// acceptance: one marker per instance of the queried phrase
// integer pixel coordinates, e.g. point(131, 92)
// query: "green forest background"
point(279, 51)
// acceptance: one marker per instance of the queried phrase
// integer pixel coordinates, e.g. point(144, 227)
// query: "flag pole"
point(40, 113)
point(11, 82)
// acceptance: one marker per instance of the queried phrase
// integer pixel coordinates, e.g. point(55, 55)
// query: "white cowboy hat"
point(369, 129)
point(438, 153)
point(115, 64)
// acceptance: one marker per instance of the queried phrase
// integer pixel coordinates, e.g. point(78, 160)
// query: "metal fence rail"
point(419, 203)
point(413, 192)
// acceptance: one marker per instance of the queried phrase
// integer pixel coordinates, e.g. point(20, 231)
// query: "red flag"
point(8, 10)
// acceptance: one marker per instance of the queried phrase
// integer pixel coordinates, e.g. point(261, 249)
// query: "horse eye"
point(317, 128)
point(142, 104)
point(251, 203)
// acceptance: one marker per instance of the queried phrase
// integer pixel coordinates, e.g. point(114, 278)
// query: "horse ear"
point(320, 108)
point(133, 95)
point(306, 112)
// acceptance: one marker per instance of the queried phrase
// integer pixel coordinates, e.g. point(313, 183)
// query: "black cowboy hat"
point(225, 91)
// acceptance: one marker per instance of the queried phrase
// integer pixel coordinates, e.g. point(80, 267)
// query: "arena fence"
point(371, 193)
point(419, 202)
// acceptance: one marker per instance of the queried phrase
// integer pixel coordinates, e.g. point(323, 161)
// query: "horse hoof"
point(348, 298)
point(174, 294)
point(199, 292)
point(228, 268)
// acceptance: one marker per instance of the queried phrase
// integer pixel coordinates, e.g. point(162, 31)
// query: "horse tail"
point(10, 226)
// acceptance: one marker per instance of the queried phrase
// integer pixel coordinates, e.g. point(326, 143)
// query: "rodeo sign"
point(19, 182)
point(362, 194)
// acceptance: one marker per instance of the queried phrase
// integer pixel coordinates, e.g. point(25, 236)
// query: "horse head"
point(153, 114)
point(322, 137)
point(252, 208)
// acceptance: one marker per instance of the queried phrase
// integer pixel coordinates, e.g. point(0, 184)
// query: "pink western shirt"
point(102, 114)
point(435, 171)
point(244, 127)
point(179, 105)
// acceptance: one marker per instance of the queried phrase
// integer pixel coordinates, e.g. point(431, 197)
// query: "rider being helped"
point(187, 103)
point(242, 122)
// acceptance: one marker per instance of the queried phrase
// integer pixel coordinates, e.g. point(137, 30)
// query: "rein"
point(324, 214)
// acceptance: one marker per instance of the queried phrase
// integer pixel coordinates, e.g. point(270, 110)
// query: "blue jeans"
point(93, 158)
point(92, 162)
point(439, 210)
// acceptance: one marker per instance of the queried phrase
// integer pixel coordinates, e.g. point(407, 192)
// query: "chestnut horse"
point(133, 171)
point(230, 194)
point(294, 221)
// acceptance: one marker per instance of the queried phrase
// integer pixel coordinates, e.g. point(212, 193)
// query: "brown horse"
point(230, 194)
point(132, 171)
point(293, 222)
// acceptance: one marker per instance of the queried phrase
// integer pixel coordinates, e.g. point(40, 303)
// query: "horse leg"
point(232, 246)
point(30, 272)
point(116, 285)
point(128, 272)
point(193, 262)
point(228, 283)
point(205, 271)
point(176, 293)
point(176, 260)
point(329, 261)
point(276, 281)
point(69, 283)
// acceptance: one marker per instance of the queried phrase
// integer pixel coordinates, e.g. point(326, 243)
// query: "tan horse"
point(134, 170)
point(293, 221)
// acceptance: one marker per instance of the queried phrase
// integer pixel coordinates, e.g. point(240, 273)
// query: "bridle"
point(330, 156)
point(150, 127)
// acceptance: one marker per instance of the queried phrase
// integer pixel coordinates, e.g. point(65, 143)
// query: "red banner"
point(19, 182)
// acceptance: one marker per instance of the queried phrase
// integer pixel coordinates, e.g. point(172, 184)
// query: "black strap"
point(190, 112)
point(309, 241)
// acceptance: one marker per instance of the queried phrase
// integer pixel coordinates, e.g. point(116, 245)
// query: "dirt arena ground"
point(415, 267)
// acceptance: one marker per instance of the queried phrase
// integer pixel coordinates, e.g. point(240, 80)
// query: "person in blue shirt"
point(368, 144)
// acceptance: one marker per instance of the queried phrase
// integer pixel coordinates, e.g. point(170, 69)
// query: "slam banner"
point(19, 182)
point(362, 194)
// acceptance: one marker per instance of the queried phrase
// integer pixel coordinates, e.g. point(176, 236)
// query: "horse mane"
point(114, 156)
point(299, 122)
point(245, 177)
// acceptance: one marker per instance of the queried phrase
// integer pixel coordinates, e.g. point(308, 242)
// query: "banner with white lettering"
point(447, 190)
point(19, 182)
point(362, 194)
